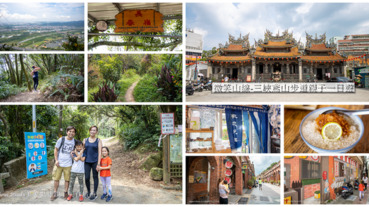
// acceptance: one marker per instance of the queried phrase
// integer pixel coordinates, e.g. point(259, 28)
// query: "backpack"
point(61, 145)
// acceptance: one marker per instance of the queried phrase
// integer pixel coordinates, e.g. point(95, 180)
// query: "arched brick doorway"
point(202, 190)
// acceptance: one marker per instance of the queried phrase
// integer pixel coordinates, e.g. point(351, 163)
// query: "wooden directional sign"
point(147, 20)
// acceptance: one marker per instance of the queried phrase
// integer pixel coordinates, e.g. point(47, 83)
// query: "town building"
point(277, 57)
point(271, 175)
point(194, 46)
point(307, 176)
point(203, 175)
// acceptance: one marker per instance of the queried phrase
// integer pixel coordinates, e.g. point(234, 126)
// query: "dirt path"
point(130, 185)
point(129, 94)
point(26, 97)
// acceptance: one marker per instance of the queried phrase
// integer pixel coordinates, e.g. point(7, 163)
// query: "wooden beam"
point(117, 5)
point(92, 18)
point(134, 35)
point(112, 21)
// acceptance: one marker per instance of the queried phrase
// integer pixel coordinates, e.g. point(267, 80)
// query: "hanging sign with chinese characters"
point(147, 20)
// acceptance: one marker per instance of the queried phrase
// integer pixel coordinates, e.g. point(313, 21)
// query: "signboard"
point(229, 164)
point(315, 158)
point(191, 179)
point(287, 200)
point(244, 166)
point(36, 154)
point(167, 123)
point(282, 87)
point(228, 172)
point(147, 20)
point(228, 179)
point(248, 78)
point(176, 148)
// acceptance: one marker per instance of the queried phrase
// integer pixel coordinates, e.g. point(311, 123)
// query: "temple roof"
point(319, 47)
point(222, 58)
point(235, 48)
point(277, 44)
point(260, 53)
point(335, 57)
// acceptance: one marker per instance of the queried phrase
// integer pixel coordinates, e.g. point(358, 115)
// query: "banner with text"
point(36, 154)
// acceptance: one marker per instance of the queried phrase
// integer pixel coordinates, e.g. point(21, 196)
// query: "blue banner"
point(36, 154)
point(234, 127)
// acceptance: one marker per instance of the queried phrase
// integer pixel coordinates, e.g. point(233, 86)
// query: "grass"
point(146, 91)
point(127, 79)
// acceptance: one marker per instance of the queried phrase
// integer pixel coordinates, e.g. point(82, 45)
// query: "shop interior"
point(232, 128)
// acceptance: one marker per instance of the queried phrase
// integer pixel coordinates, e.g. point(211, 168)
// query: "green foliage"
point(78, 119)
point(69, 86)
point(146, 91)
point(168, 84)
point(310, 181)
point(110, 68)
point(73, 44)
point(136, 133)
point(9, 150)
point(107, 93)
point(7, 90)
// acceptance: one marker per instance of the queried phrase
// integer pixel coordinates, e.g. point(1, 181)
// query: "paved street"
point(361, 95)
point(353, 199)
point(270, 194)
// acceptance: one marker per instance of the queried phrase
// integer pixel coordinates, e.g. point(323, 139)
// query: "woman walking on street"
point(93, 147)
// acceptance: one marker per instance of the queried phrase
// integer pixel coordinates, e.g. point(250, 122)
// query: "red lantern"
point(217, 61)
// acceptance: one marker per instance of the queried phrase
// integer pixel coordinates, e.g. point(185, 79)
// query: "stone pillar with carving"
point(266, 68)
point(332, 70)
point(300, 70)
point(312, 69)
point(344, 70)
point(253, 69)
point(288, 68)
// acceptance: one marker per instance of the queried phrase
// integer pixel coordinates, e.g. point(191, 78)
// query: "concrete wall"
point(17, 170)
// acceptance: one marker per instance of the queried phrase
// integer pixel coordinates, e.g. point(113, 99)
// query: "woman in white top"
point(223, 192)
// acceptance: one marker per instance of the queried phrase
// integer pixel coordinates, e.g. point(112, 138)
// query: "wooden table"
point(293, 142)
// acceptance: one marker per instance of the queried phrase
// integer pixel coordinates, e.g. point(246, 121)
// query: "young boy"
point(361, 190)
point(78, 170)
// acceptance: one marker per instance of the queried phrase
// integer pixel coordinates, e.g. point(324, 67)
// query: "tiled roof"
point(277, 44)
point(323, 58)
point(222, 58)
point(319, 47)
point(260, 53)
point(234, 48)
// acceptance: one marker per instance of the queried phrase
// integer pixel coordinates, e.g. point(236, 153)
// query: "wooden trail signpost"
point(147, 20)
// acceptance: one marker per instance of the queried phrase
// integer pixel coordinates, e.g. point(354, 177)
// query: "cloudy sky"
point(36, 12)
point(215, 21)
point(263, 162)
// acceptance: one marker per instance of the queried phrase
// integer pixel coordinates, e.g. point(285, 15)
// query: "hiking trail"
point(28, 96)
point(129, 94)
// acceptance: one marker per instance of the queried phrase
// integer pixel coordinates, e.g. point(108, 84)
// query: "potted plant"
point(317, 194)
point(250, 183)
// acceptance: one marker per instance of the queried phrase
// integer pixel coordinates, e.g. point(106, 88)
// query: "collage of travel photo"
point(184, 103)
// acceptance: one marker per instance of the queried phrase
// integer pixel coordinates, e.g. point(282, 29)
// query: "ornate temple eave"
point(319, 50)
point(276, 46)
point(323, 59)
point(277, 57)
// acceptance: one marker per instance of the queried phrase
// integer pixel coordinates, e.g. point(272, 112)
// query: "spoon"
point(348, 112)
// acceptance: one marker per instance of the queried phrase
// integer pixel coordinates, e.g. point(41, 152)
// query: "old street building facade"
point(276, 54)
point(307, 176)
point(204, 174)
point(271, 175)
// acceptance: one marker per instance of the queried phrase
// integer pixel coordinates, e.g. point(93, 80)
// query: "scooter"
point(208, 85)
point(198, 87)
point(356, 184)
point(189, 89)
point(347, 190)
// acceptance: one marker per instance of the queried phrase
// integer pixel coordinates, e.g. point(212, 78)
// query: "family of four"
point(76, 159)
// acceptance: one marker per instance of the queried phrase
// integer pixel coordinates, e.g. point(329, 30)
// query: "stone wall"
point(17, 170)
